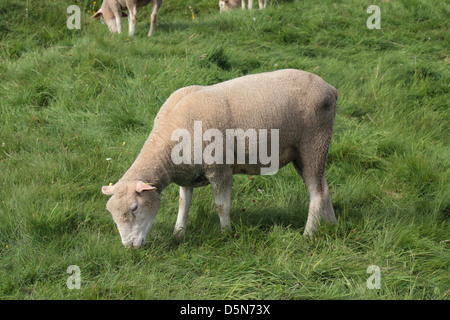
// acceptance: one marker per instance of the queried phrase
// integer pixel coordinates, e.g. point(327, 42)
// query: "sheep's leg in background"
point(117, 11)
point(156, 5)
point(243, 4)
point(262, 4)
point(132, 19)
point(250, 4)
point(183, 209)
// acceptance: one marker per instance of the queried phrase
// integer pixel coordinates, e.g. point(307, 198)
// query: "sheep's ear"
point(97, 14)
point(108, 190)
point(141, 186)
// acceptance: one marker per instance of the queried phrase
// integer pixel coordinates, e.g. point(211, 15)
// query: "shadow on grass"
point(292, 217)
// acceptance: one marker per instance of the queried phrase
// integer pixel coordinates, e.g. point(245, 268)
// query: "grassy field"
point(77, 105)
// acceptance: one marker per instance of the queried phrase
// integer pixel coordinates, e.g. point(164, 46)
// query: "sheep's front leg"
point(183, 209)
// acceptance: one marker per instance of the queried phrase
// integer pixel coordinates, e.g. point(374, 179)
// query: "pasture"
point(76, 106)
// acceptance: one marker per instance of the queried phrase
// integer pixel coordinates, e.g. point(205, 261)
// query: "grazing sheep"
point(299, 106)
point(226, 5)
point(111, 13)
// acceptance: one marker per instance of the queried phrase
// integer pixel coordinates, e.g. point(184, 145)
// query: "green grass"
point(69, 99)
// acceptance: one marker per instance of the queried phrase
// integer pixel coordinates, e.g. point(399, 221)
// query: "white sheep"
point(111, 13)
point(226, 5)
point(298, 105)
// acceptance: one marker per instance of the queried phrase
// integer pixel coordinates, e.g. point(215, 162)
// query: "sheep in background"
point(227, 5)
point(298, 106)
point(111, 13)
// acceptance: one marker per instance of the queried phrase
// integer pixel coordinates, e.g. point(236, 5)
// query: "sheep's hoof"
point(226, 230)
point(179, 233)
point(308, 233)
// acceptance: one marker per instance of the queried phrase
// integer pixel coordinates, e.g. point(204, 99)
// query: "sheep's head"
point(106, 16)
point(221, 5)
point(133, 206)
point(225, 5)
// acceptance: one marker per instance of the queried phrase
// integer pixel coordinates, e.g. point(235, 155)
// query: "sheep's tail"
point(335, 93)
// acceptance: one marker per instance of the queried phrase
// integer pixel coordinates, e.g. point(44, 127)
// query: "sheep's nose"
point(134, 242)
point(141, 243)
point(127, 244)
point(137, 243)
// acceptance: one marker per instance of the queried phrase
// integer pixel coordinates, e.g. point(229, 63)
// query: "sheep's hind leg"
point(221, 184)
point(320, 207)
point(183, 209)
point(222, 199)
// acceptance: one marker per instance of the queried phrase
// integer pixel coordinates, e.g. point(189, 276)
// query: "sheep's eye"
point(134, 208)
